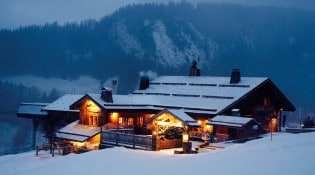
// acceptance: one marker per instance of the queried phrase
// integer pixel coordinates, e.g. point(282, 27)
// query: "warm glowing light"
point(274, 123)
point(162, 123)
point(115, 115)
point(79, 144)
point(199, 122)
point(120, 121)
point(92, 107)
point(185, 137)
point(209, 128)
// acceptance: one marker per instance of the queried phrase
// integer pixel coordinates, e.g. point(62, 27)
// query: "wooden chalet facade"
point(196, 98)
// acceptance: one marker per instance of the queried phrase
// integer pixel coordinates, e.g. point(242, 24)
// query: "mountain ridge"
point(261, 41)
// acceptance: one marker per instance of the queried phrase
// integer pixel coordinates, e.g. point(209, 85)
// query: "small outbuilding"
point(234, 128)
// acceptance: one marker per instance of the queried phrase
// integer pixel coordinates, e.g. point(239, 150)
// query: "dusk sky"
point(15, 13)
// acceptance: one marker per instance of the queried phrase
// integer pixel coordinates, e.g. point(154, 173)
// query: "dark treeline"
point(261, 41)
point(13, 95)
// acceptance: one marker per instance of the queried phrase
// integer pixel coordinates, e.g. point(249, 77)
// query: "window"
point(120, 121)
point(130, 122)
point(140, 121)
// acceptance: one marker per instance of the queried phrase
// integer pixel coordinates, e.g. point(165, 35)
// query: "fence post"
point(134, 141)
point(101, 132)
point(117, 138)
point(117, 135)
point(36, 150)
point(53, 149)
point(155, 142)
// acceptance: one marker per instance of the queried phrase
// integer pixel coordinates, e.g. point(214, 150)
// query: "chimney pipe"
point(144, 83)
point(194, 71)
point(235, 76)
point(107, 95)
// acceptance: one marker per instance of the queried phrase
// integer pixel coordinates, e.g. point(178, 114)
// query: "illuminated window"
point(130, 122)
point(140, 121)
point(114, 117)
point(120, 121)
point(274, 124)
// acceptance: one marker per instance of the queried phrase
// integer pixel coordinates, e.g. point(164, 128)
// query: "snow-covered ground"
point(286, 154)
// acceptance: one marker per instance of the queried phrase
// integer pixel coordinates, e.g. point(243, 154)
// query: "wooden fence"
point(120, 137)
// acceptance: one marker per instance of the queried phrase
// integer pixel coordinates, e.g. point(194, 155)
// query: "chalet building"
point(230, 107)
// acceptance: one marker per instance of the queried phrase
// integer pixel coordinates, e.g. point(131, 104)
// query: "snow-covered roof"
point(179, 114)
point(77, 132)
point(119, 99)
point(196, 94)
point(184, 117)
point(31, 109)
point(232, 121)
point(63, 103)
point(203, 94)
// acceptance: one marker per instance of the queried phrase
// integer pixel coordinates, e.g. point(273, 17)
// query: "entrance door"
point(94, 120)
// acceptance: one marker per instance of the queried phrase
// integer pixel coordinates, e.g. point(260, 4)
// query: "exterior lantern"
point(186, 145)
point(154, 134)
point(185, 137)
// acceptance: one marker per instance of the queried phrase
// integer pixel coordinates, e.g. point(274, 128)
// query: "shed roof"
point(77, 132)
point(31, 110)
point(231, 121)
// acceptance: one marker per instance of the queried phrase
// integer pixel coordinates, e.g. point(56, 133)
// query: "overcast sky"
point(15, 13)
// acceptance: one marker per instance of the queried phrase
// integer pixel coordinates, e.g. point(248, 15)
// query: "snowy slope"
point(14, 13)
point(286, 154)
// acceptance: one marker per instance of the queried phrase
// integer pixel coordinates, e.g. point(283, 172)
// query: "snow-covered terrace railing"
point(123, 139)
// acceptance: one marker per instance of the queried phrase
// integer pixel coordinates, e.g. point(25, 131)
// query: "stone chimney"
point(194, 71)
point(107, 95)
point(144, 83)
point(235, 76)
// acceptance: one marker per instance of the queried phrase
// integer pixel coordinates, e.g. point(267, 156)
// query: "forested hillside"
point(262, 41)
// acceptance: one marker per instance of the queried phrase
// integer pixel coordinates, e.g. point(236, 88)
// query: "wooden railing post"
point(134, 141)
point(117, 135)
point(53, 150)
point(117, 138)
